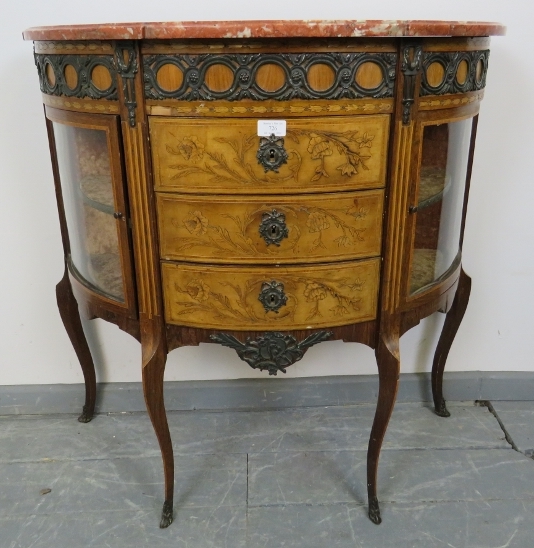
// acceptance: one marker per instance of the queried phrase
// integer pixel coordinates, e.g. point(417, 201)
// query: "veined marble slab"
point(264, 29)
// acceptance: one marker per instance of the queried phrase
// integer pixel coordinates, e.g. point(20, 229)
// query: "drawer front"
point(277, 229)
point(221, 156)
point(247, 298)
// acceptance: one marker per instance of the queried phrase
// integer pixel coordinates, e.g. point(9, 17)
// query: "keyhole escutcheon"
point(272, 154)
point(273, 227)
point(272, 296)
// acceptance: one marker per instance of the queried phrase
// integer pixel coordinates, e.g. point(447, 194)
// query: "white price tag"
point(266, 128)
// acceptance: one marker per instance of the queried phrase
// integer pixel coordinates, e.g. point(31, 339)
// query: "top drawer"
point(221, 155)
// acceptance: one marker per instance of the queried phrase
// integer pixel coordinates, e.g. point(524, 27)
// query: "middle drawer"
point(270, 229)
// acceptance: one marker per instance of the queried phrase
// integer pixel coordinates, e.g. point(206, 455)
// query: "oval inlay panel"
point(479, 71)
point(461, 73)
point(71, 76)
point(50, 75)
point(369, 75)
point(219, 78)
point(169, 77)
point(320, 77)
point(101, 77)
point(270, 77)
point(435, 74)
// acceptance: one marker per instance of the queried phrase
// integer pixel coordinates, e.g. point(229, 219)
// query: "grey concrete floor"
point(283, 478)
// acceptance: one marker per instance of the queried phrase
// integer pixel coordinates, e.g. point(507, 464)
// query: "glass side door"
point(444, 157)
point(92, 188)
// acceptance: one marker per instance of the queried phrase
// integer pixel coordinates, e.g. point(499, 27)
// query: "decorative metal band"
point(272, 352)
point(127, 67)
point(411, 66)
point(82, 84)
point(245, 67)
point(475, 74)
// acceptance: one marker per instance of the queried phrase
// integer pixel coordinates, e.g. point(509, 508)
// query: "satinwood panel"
point(322, 154)
point(229, 297)
point(277, 229)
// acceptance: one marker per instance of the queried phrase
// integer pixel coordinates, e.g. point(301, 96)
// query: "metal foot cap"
point(166, 514)
point(86, 415)
point(441, 409)
point(374, 511)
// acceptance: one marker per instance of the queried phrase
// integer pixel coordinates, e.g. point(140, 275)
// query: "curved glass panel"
point(442, 182)
point(86, 182)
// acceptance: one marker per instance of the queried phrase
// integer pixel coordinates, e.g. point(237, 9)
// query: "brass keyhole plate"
point(273, 227)
point(271, 153)
point(272, 296)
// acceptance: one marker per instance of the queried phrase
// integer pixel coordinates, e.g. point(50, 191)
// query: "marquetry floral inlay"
point(348, 144)
point(351, 146)
point(240, 302)
point(196, 223)
point(317, 221)
point(190, 148)
point(315, 292)
point(245, 239)
point(198, 290)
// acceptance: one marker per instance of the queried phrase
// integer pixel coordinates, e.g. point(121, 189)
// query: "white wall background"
point(498, 251)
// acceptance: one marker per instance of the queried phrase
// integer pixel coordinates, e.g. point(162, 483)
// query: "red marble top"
point(264, 29)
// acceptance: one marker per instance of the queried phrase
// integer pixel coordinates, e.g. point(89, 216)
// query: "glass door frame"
point(450, 276)
point(111, 125)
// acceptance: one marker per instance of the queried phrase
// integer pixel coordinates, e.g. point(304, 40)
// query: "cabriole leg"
point(387, 357)
point(450, 327)
point(154, 358)
point(70, 315)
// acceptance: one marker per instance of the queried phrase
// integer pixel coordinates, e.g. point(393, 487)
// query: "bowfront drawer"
point(260, 229)
point(270, 298)
point(226, 156)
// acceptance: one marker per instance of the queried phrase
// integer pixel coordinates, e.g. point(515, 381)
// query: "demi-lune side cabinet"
point(263, 185)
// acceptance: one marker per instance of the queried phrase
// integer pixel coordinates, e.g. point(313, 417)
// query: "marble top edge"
point(266, 29)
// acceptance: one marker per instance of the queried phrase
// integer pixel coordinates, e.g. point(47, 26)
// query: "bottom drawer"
point(270, 298)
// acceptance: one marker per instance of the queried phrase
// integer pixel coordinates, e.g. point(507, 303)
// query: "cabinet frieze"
point(262, 76)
